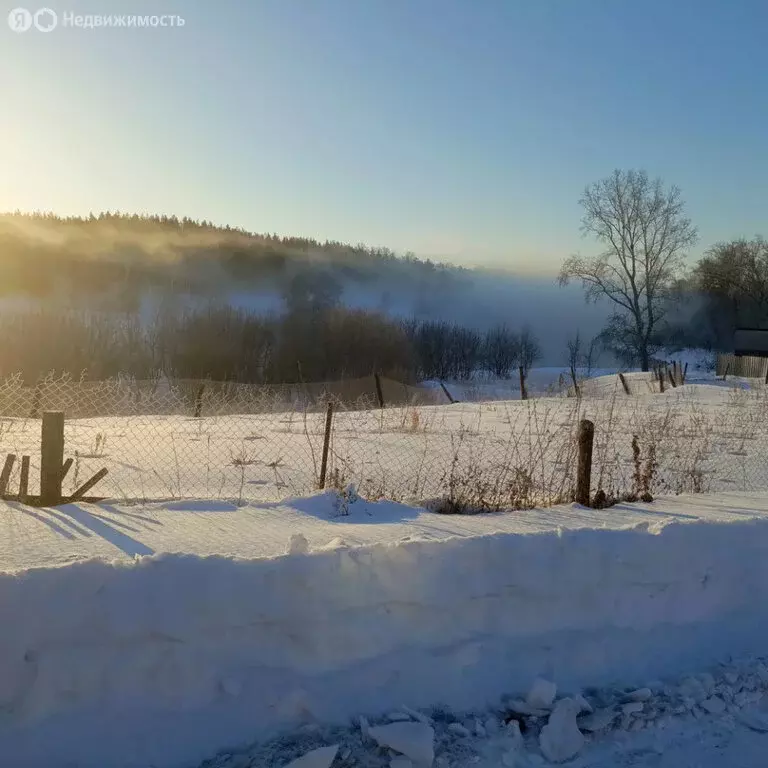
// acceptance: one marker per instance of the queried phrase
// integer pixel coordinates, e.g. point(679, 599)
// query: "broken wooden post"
point(523, 390)
point(24, 479)
point(661, 380)
point(88, 484)
point(5, 475)
point(65, 467)
point(379, 392)
point(624, 383)
point(584, 469)
point(52, 457)
point(326, 444)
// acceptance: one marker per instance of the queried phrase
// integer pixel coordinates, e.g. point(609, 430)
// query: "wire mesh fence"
point(169, 440)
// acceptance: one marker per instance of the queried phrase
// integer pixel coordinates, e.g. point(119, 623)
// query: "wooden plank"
point(34, 501)
point(5, 475)
point(52, 457)
point(88, 484)
point(65, 467)
point(24, 479)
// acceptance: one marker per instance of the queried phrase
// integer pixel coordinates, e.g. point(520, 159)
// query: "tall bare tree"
point(645, 232)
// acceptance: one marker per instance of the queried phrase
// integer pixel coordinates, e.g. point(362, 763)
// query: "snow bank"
point(168, 659)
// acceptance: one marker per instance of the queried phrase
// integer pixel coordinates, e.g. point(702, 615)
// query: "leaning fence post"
point(624, 383)
point(326, 444)
point(584, 469)
point(685, 373)
point(523, 390)
point(51, 457)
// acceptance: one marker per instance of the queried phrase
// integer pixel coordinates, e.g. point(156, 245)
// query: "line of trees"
point(227, 344)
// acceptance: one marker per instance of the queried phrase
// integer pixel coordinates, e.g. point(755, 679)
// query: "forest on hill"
point(133, 294)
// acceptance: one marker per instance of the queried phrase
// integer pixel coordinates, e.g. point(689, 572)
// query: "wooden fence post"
point(5, 475)
point(584, 469)
point(379, 392)
point(326, 444)
point(661, 380)
point(727, 368)
point(624, 383)
point(199, 401)
point(24, 480)
point(523, 390)
point(671, 378)
point(51, 457)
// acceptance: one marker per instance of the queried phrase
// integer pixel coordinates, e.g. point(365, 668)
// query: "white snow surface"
point(161, 635)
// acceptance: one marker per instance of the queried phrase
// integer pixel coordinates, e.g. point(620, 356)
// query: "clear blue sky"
point(462, 129)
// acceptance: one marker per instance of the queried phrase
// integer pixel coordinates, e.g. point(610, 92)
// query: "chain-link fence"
point(164, 440)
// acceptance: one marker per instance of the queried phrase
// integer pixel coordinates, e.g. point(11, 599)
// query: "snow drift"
point(168, 659)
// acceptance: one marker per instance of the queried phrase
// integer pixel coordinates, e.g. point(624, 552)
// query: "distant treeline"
point(121, 258)
point(310, 344)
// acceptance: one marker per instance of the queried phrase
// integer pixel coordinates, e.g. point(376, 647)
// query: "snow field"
point(168, 659)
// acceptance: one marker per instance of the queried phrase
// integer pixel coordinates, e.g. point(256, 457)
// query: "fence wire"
point(166, 440)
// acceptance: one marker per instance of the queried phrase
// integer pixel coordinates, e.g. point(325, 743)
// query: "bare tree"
point(591, 356)
point(574, 360)
point(581, 356)
point(530, 351)
point(500, 351)
point(645, 233)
